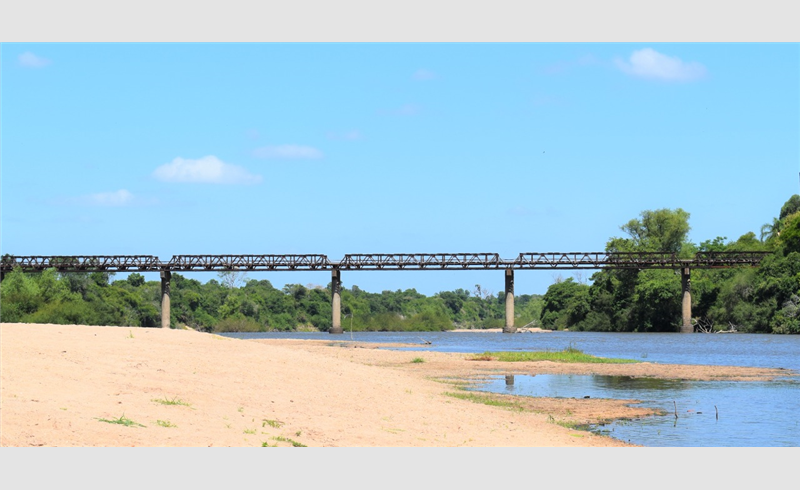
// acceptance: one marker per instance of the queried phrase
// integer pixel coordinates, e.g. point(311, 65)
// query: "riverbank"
point(66, 385)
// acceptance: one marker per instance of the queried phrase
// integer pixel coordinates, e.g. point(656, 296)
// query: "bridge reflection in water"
point(398, 261)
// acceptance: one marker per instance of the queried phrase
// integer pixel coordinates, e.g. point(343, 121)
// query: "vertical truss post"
point(336, 301)
point(686, 304)
point(165, 278)
point(509, 326)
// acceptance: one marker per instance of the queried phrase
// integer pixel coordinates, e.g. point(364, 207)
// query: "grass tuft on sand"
point(570, 354)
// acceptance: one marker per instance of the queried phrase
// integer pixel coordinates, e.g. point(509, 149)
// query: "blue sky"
point(334, 148)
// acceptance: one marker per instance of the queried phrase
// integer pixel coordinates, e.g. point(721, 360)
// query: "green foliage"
point(171, 401)
point(285, 439)
point(565, 305)
point(569, 354)
point(790, 207)
point(662, 230)
point(486, 399)
point(122, 420)
point(135, 279)
point(790, 236)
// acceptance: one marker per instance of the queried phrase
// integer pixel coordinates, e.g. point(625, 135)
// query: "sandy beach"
point(68, 385)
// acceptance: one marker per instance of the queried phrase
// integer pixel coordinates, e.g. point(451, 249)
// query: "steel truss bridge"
point(374, 262)
point(399, 261)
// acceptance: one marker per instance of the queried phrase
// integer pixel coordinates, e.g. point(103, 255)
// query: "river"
point(710, 413)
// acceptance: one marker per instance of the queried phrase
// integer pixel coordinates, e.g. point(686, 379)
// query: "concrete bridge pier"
point(509, 326)
point(686, 305)
point(336, 301)
point(165, 278)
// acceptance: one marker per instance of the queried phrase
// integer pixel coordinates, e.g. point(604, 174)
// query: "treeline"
point(234, 304)
point(762, 299)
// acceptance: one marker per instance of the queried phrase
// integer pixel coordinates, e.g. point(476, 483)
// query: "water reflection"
point(697, 413)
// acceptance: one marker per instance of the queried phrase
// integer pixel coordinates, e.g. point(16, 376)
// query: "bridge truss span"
point(421, 261)
point(81, 263)
point(249, 262)
point(635, 260)
point(417, 261)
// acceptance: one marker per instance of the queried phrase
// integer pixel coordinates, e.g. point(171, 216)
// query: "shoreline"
point(71, 385)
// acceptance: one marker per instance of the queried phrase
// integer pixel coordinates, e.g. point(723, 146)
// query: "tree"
point(566, 304)
point(771, 230)
point(790, 207)
point(791, 233)
point(232, 279)
point(662, 230)
point(135, 279)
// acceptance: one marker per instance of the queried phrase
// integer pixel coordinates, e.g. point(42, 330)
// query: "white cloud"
point(115, 199)
point(30, 60)
point(423, 74)
point(649, 63)
point(206, 170)
point(293, 152)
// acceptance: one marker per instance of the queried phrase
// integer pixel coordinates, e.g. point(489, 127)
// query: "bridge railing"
point(418, 261)
point(635, 260)
point(249, 262)
point(81, 263)
point(421, 261)
point(729, 259)
point(598, 260)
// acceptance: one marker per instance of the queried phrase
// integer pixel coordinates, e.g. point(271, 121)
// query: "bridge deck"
point(399, 261)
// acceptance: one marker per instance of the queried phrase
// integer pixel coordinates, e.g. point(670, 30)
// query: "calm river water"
point(710, 413)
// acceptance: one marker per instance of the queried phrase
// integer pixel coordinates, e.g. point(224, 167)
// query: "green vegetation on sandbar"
point(570, 354)
point(122, 420)
point(485, 400)
point(173, 401)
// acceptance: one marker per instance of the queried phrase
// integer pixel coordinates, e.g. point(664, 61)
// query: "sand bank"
point(63, 385)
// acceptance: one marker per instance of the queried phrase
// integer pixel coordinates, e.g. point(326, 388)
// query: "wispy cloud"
point(650, 64)
point(114, 199)
point(206, 170)
point(288, 152)
point(404, 110)
point(423, 74)
point(30, 60)
point(351, 135)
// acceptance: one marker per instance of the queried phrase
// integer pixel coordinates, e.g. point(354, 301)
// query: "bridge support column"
point(165, 278)
point(686, 304)
point(509, 326)
point(336, 301)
